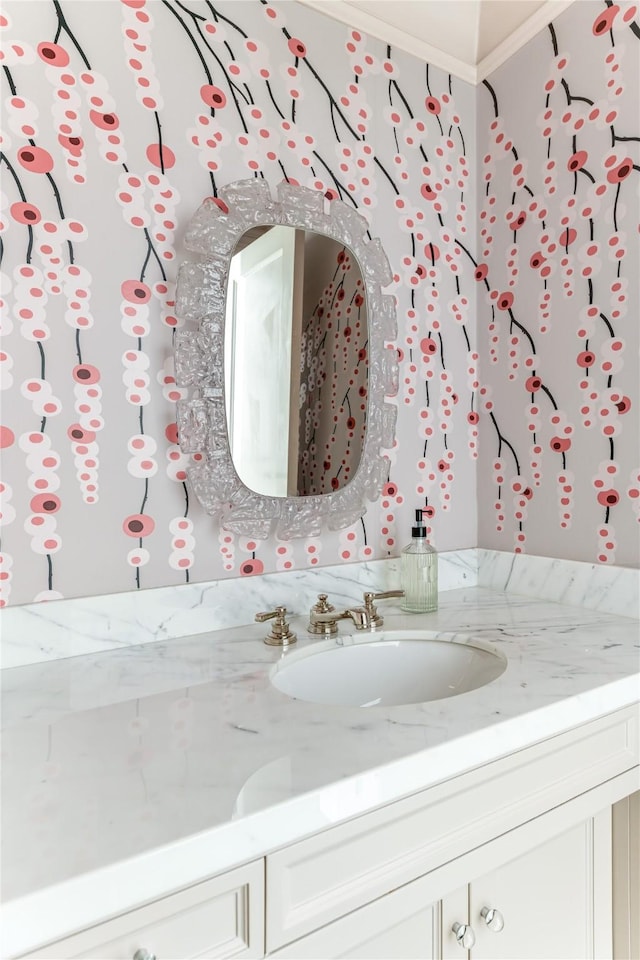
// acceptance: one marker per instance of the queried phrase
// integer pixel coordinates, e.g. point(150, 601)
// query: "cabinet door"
point(555, 900)
point(398, 926)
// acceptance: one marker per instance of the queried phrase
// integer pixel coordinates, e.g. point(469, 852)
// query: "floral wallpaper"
point(508, 213)
point(118, 119)
point(557, 275)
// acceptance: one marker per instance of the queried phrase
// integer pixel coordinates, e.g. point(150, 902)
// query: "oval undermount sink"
point(396, 667)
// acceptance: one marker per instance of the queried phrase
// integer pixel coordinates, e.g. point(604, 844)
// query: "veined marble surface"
point(37, 632)
point(130, 773)
point(595, 586)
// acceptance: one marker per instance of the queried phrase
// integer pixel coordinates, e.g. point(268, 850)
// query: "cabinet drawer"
point(223, 917)
point(314, 882)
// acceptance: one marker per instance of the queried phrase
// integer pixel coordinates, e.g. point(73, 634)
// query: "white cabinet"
point(529, 835)
point(552, 901)
point(459, 830)
point(223, 917)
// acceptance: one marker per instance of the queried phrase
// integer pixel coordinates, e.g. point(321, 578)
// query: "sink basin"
point(391, 668)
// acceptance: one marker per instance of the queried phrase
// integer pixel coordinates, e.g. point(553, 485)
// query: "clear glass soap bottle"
point(419, 571)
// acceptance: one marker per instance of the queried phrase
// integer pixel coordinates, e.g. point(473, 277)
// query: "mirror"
point(225, 363)
point(295, 300)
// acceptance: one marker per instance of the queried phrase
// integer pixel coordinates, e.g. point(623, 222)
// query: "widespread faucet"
point(323, 618)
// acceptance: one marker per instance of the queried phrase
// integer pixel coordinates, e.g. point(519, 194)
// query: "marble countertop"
point(130, 773)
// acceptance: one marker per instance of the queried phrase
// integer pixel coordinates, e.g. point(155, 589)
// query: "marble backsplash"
point(65, 628)
point(594, 586)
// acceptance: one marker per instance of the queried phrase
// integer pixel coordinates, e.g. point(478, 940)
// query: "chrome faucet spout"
point(327, 617)
point(324, 624)
point(360, 617)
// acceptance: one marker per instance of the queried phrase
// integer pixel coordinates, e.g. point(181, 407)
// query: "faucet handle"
point(281, 635)
point(373, 618)
point(385, 595)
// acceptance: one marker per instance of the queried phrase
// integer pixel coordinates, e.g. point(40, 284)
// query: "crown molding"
point(525, 32)
point(360, 20)
point(471, 73)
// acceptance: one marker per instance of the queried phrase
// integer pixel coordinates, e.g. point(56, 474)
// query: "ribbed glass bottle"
point(419, 572)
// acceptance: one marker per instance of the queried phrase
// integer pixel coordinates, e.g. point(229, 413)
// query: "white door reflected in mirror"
point(296, 362)
point(263, 322)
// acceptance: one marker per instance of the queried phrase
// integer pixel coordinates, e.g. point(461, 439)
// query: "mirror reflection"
point(296, 365)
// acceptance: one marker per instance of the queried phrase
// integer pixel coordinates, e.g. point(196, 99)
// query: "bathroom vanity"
point(167, 800)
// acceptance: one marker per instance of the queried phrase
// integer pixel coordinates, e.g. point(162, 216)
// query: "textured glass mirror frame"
point(213, 234)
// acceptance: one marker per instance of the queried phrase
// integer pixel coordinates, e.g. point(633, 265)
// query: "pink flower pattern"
point(513, 256)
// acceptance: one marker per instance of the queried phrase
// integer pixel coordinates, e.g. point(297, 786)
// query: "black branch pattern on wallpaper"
point(261, 91)
point(601, 403)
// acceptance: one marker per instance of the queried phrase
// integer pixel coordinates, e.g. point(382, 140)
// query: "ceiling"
point(468, 38)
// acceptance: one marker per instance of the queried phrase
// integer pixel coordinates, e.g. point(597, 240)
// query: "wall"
point(119, 117)
point(558, 291)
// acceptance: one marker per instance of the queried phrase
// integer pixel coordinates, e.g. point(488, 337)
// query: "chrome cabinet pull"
point(144, 954)
point(493, 919)
point(464, 935)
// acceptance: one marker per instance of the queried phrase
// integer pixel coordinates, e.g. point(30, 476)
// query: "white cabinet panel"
point(554, 900)
point(400, 926)
point(219, 918)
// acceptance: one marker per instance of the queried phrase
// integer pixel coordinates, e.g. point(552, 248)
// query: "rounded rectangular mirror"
point(288, 365)
point(295, 312)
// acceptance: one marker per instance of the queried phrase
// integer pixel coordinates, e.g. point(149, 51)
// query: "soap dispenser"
point(419, 571)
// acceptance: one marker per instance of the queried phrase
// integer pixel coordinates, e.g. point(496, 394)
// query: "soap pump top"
point(419, 531)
